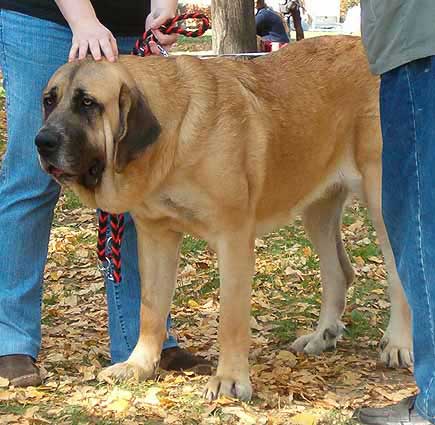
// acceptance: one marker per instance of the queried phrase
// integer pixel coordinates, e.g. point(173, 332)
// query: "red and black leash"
point(142, 47)
point(111, 261)
point(110, 257)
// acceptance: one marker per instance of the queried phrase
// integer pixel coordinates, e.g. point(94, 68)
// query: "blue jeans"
point(408, 130)
point(31, 50)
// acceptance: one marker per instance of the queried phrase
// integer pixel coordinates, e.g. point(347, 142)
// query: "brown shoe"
point(20, 370)
point(177, 358)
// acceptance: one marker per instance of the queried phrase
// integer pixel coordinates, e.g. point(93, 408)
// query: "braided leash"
point(111, 260)
point(142, 47)
point(109, 248)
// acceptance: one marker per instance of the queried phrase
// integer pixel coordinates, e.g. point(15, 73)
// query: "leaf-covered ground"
point(288, 389)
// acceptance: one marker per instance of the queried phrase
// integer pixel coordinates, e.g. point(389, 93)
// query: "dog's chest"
point(180, 210)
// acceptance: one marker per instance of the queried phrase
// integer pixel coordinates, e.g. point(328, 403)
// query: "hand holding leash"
point(154, 22)
point(144, 46)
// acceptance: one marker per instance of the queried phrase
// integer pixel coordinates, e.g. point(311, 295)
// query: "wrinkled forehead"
point(100, 80)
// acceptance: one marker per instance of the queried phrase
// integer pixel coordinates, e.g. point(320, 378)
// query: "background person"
point(270, 26)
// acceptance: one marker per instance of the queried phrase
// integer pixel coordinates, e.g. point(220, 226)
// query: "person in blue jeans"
point(36, 38)
point(399, 37)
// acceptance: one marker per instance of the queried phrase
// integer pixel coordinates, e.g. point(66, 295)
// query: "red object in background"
point(271, 46)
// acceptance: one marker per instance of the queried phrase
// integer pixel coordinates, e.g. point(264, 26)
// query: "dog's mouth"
point(90, 178)
point(57, 173)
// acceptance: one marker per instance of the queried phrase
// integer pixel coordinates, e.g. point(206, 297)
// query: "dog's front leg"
point(236, 265)
point(158, 252)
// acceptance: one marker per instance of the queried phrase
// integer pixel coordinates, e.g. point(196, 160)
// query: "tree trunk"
point(233, 26)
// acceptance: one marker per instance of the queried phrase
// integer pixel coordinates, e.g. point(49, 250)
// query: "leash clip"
point(105, 266)
point(106, 269)
point(143, 48)
point(162, 50)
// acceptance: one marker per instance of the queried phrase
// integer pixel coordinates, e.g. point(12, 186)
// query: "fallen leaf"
point(151, 396)
point(304, 419)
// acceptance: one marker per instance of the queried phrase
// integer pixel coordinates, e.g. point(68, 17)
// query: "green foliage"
point(72, 201)
point(347, 4)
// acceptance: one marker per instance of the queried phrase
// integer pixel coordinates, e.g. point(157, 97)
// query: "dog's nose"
point(47, 142)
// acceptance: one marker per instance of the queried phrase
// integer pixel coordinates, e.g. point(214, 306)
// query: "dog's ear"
point(138, 127)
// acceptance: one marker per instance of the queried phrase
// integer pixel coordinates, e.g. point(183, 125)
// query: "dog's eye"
point(48, 101)
point(87, 102)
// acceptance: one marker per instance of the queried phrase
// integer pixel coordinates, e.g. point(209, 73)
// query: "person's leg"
point(408, 184)
point(30, 51)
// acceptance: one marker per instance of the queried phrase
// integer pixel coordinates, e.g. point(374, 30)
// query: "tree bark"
point(233, 26)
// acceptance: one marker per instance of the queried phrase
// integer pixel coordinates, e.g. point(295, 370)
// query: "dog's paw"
point(219, 386)
point(319, 341)
point(396, 352)
point(126, 371)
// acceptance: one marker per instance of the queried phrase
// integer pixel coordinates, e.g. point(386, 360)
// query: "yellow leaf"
point(307, 252)
point(287, 357)
point(89, 373)
point(224, 400)
point(259, 243)
point(378, 291)
point(82, 253)
point(119, 406)
point(4, 383)
point(6, 395)
point(192, 304)
point(34, 393)
point(304, 419)
point(72, 300)
point(376, 260)
point(120, 394)
point(151, 396)
point(56, 275)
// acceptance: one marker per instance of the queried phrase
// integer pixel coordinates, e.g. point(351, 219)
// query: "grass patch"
point(13, 409)
point(365, 251)
point(367, 320)
point(72, 201)
point(285, 330)
point(335, 417)
point(76, 415)
point(51, 299)
point(189, 41)
point(192, 246)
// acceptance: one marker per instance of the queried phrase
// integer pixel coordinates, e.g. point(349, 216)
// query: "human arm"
point(88, 32)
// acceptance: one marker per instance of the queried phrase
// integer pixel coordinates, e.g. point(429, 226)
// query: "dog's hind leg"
point(322, 220)
point(396, 345)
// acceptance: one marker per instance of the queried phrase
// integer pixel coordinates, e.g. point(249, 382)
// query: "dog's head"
point(95, 117)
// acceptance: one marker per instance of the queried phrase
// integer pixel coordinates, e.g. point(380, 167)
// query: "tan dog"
point(226, 150)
